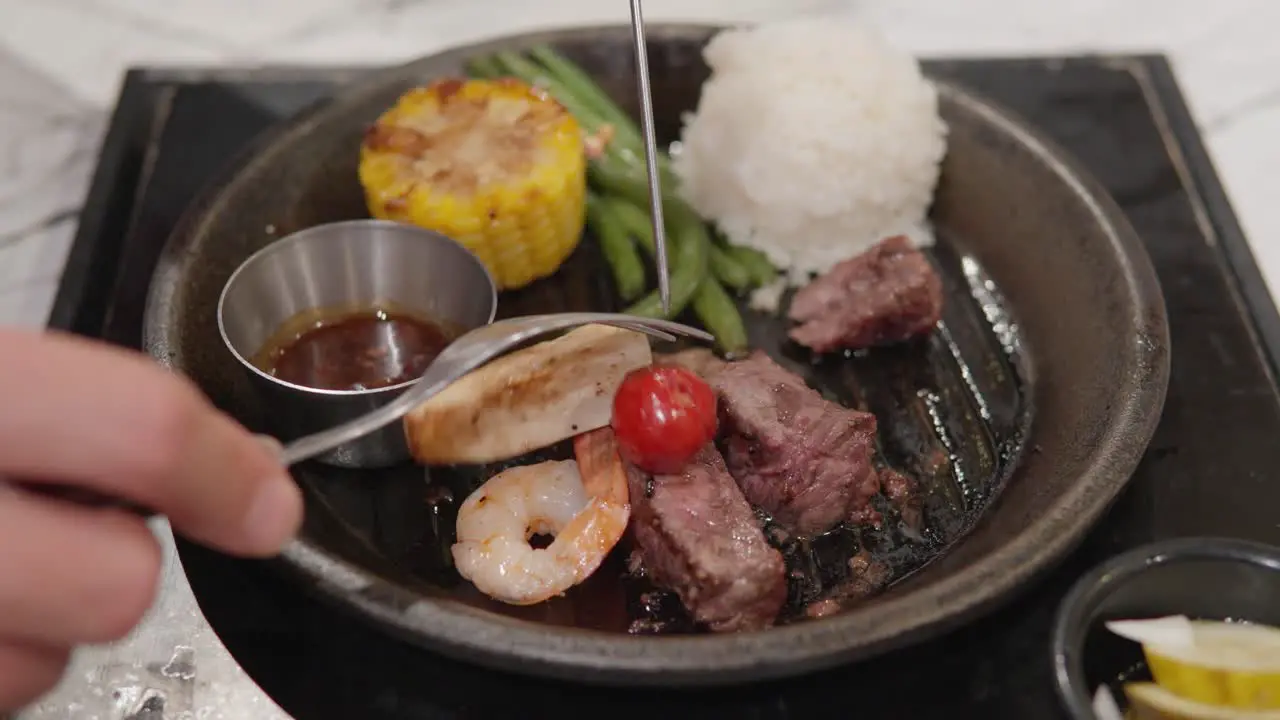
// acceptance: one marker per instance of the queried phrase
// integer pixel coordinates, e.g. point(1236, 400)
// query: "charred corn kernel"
point(497, 165)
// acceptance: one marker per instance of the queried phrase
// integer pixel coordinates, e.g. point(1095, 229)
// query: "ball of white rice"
point(812, 141)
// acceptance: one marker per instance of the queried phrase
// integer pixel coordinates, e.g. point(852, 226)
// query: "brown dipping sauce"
point(355, 350)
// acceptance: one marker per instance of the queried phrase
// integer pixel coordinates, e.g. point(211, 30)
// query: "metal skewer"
point(651, 154)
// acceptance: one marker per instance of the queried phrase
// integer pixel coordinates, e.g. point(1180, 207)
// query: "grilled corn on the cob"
point(497, 165)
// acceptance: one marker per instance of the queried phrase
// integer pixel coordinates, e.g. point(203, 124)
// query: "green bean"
point(756, 263)
point(578, 82)
point(629, 181)
point(627, 141)
point(524, 69)
point(711, 303)
point(485, 67)
point(635, 220)
point(619, 171)
point(619, 251)
point(720, 316)
point(726, 269)
point(625, 153)
point(689, 244)
point(520, 67)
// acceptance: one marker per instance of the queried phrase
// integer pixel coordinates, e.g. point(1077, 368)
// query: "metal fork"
point(464, 355)
point(461, 357)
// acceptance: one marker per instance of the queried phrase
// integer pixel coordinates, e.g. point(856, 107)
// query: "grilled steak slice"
point(805, 460)
point(698, 536)
point(888, 294)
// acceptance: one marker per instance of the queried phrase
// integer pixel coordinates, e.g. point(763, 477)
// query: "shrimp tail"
point(604, 474)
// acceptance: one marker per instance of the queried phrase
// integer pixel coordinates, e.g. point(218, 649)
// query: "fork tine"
point(676, 328)
point(671, 327)
point(649, 326)
point(647, 330)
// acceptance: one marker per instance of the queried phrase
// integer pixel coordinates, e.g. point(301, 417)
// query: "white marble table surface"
point(61, 62)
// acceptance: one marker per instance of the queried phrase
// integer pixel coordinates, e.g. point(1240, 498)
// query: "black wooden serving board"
point(1208, 471)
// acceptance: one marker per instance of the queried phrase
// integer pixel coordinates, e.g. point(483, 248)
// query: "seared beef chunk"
point(885, 295)
point(698, 536)
point(804, 460)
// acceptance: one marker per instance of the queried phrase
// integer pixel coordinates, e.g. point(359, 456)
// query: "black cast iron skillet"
point(1021, 417)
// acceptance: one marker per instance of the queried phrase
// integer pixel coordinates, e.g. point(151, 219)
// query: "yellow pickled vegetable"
point(1219, 664)
point(497, 165)
point(1149, 701)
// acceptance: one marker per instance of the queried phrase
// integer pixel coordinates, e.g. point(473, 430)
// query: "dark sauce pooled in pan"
point(953, 410)
point(362, 349)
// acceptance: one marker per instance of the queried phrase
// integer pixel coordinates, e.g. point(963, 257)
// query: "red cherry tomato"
point(662, 416)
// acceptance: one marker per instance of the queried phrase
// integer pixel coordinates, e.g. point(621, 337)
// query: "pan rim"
point(605, 658)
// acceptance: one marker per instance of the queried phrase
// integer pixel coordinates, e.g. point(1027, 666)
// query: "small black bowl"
point(1202, 578)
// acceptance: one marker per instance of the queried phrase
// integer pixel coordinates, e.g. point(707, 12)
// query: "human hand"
point(100, 418)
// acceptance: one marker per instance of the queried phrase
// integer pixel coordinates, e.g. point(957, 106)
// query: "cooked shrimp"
point(584, 507)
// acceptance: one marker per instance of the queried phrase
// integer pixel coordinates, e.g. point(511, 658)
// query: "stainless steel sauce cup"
point(351, 264)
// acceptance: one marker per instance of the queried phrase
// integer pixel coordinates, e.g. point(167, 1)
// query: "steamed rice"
point(812, 141)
